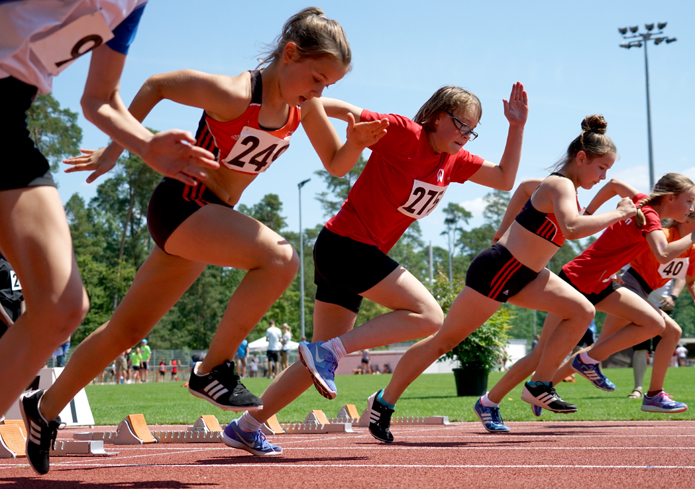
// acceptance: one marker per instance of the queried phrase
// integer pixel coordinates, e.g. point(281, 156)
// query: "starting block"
point(408, 420)
point(206, 423)
point(272, 427)
point(18, 422)
point(12, 443)
point(187, 436)
point(347, 414)
point(133, 430)
point(65, 448)
point(316, 416)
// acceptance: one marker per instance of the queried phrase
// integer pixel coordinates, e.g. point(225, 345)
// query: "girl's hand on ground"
point(516, 109)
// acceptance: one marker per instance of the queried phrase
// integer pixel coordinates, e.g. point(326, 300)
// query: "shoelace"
point(331, 363)
point(496, 416)
point(260, 439)
point(52, 430)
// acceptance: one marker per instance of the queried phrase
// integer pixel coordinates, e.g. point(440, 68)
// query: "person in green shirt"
point(135, 362)
point(145, 352)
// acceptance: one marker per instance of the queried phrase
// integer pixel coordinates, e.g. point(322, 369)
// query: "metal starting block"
point(408, 420)
point(187, 436)
point(64, 448)
point(206, 423)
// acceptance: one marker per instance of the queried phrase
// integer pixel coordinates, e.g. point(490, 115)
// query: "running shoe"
point(41, 434)
point(379, 419)
point(662, 403)
point(223, 389)
point(593, 374)
point(321, 364)
point(544, 396)
point(491, 418)
point(253, 442)
point(537, 411)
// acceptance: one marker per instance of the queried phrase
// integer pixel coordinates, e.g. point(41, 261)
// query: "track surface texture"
point(535, 455)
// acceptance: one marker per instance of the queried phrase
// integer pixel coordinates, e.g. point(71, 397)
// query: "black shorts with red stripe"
point(496, 274)
point(173, 202)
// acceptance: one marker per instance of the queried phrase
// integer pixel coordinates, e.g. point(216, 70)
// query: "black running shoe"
point(41, 434)
point(223, 389)
point(544, 396)
point(379, 419)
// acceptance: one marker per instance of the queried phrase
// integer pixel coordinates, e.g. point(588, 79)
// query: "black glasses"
point(463, 128)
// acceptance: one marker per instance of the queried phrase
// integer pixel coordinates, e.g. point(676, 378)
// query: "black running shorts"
point(496, 274)
point(173, 202)
point(593, 298)
point(22, 165)
point(345, 268)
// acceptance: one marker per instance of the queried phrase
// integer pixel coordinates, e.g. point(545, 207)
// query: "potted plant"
point(479, 353)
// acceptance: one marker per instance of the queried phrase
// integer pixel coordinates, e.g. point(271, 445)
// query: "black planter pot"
point(471, 380)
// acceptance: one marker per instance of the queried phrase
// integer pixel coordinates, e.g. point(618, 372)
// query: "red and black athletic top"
point(242, 144)
point(541, 224)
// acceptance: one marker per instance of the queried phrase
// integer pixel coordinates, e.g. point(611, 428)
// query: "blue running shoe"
point(321, 364)
point(662, 403)
point(537, 410)
point(255, 443)
point(593, 374)
point(491, 418)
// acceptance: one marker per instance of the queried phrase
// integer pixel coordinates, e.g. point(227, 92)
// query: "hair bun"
point(594, 123)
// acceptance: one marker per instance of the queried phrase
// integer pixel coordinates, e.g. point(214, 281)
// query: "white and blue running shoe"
point(491, 418)
point(593, 374)
point(255, 442)
point(537, 410)
point(321, 364)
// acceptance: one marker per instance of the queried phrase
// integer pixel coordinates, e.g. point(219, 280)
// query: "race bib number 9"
point(58, 50)
point(255, 150)
point(675, 268)
point(423, 199)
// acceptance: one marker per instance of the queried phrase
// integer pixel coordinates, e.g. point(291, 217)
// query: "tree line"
point(112, 241)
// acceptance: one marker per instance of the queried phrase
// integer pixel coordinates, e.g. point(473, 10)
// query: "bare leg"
point(36, 241)
point(159, 283)
point(663, 352)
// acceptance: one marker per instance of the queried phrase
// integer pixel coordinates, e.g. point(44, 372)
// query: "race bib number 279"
point(423, 199)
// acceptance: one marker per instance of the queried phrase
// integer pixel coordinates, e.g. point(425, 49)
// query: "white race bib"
point(58, 50)
point(255, 150)
point(423, 199)
point(15, 281)
point(675, 268)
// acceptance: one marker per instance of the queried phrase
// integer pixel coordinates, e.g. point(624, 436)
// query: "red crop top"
point(543, 225)
point(257, 146)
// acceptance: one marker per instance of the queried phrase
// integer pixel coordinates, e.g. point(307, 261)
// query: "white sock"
point(249, 423)
point(584, 356)
point(197, 371)
point(485, 401)
point(336, 347)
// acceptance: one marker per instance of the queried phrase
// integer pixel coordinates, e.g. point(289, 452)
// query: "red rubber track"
point(535, 455)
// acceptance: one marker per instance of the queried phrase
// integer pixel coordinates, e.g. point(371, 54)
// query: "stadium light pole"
point(640, 39)
point(301, 261)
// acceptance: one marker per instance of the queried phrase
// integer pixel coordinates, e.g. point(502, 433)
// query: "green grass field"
point(431, 394)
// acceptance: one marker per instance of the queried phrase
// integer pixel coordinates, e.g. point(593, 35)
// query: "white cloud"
point(475, 207)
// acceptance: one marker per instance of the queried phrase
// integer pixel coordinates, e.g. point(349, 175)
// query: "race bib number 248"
point(255, 150)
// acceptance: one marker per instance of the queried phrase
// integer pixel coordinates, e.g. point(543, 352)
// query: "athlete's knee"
point(654, 324)
point(432, 318)
point(672, 329)
point(65, 312)
point(284, 263)
point(580, 312)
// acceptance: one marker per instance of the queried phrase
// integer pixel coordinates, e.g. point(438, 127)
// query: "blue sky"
point(566, 54)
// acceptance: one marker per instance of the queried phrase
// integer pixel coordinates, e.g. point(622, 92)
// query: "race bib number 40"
point(675, 268)
point(423, 199)
point(58, 50)
point(255, 150)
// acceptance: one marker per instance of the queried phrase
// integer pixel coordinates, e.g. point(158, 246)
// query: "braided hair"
point(669, 184)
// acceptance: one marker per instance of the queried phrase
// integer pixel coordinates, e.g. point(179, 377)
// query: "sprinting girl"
point(405, 178)
point(248, 121)
point(644, 276)
point(591, 272)
point(513, 270)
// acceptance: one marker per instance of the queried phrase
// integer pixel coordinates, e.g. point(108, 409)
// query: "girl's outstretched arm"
point(612, 188)
point(516, 203)
point(664, 251)
point(502, 176)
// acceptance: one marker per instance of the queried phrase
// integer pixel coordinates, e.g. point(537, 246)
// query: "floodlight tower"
point(643, 38)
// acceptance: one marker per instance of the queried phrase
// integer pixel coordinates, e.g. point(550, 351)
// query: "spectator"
point(682, 355)
point(242, 355)
point(145, 352)
point(387, 368)
point(303, 341)
point(130, 365)
point(121, 368)
point(536, 339)
point(253, 366)
point(366, 369)
point(162, 370)
point(273, 335)
point(174, 370)
point(11, 297)
point(61, 353)
point(285, 340)
point(135, 362)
